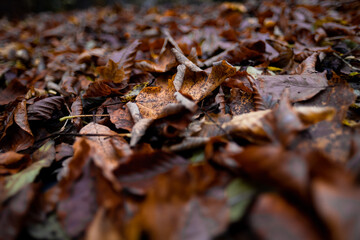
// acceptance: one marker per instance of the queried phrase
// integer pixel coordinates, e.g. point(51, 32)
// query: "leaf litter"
point(209, 121)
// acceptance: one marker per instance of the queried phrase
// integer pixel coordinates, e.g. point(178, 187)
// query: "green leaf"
point(198, 156)
point(240, 195)
point(49, 229)
point(18, 181)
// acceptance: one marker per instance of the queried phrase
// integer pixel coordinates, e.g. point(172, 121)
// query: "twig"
point(349, 65)
point(84, 135)
point(85, 115)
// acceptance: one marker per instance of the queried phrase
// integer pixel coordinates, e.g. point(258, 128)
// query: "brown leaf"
point(125, 59)
point(247, 50)
point(106, 151)
point(13, 213)
point(274, 218)
point(12, 91)
point(302, 87)
point(203, 206)
point(338, 95)
point(102, 88)
point(198, 87)
point(240, 102)
point(285, 56)
point(276, 167)
point(111, 72)
point(146, 164)
point(17, 134)
point(79, 207)
point(329, 137)
point(77, 109)
point(87, 55)
point(152, 100)
point(12, 162)
point(339, 208)
point(121, 118)
point(254, 127)
point(164, 63)
point(44, 108)
point(336, 29)
point(102, 227)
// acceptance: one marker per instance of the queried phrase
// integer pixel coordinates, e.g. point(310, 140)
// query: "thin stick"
point(347, 63)
point(85, 115)
point(85, 135)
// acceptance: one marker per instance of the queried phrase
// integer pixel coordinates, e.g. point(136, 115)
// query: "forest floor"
point(209, 121)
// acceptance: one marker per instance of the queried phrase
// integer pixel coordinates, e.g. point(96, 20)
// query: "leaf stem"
point(85, 115)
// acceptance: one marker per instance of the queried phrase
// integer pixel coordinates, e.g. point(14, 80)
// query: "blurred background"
point(17, 8)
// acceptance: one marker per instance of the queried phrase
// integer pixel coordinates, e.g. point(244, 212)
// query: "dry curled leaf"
point(200, 86)
point(44, 108)
point(111, 72)
point(125, 59)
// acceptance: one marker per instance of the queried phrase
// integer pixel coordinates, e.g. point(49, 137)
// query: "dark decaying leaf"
point(77, 109)
point(13, 213)
point(79, 207)
point(17, 134)
point(147, 164)
point(44, 108)
point(12, 91)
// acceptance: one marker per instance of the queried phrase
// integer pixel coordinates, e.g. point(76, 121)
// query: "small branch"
point(84, 135)
point(86, 115)
point(347, 63)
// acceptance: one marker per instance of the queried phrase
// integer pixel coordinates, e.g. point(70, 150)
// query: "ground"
point(208, 121)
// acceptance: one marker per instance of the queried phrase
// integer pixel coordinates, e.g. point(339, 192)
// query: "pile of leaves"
point(216, 121)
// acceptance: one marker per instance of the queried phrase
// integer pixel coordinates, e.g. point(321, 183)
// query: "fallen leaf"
point(338, 208)
point(12, 162)
point(111, 72)
point(274, 218)
point(44, 108)
point(125, 59)
point(13, 214)
point(199, 88)
point(152, 100)
point(17, 123)
point(22, 179)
